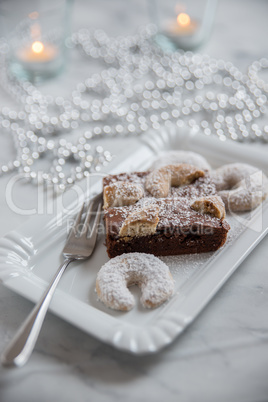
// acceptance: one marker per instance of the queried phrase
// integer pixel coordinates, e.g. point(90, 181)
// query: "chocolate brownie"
point(137, 221)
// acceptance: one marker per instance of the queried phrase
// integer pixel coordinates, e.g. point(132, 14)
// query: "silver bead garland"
point(141, 87)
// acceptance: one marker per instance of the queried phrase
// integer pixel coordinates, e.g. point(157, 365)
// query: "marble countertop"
point(223, 355)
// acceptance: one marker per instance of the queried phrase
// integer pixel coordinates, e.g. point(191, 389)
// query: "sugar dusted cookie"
point(145, 270)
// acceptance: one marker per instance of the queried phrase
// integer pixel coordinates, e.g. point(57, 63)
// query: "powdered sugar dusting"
point(147, 271)
point(183, 267)
point(159, 181)
point(124, 189)
point(175, 213)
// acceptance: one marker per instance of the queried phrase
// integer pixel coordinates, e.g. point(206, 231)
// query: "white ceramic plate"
point(30, 255)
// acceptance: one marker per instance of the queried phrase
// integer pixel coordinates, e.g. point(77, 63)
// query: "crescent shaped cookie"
point(242, 187)
point(145, 270)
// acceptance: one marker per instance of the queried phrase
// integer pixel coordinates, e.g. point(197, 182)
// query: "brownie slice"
point(180, 229)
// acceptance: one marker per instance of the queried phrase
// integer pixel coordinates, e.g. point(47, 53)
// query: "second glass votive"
point(36, 34)
point(182, 24)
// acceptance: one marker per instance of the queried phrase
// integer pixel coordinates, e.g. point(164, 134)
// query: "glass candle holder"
point(184, 25)
point(36, 33)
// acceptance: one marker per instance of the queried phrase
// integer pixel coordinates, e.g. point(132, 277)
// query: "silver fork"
point(79, 246)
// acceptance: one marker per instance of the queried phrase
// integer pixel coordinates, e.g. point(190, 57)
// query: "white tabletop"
point(223, 355)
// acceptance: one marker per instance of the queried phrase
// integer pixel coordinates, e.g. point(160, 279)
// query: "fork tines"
point(87, 219)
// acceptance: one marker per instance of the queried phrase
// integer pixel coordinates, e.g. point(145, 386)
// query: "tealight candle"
point(36, 38)
point(183, 25)
point(180, 26)
point(37, 53)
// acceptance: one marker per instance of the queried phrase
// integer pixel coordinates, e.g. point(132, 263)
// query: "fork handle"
point(21, 346)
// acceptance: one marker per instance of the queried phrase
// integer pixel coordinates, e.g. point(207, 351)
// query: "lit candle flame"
point(37, 47)
point(183, 19)
point(34, 15)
